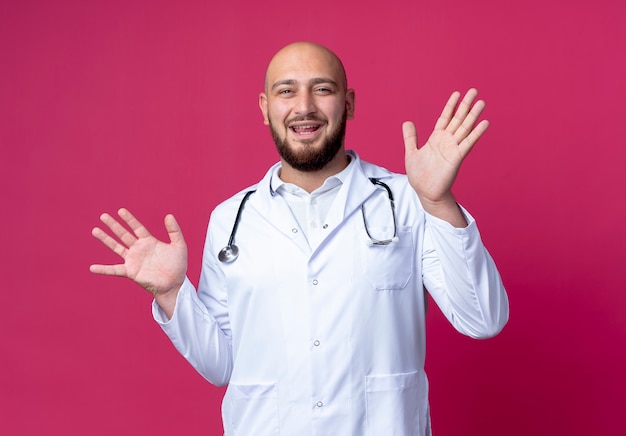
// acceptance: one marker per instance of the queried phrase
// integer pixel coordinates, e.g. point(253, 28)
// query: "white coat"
point(330, 339)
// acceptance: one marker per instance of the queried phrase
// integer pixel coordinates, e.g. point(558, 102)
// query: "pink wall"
point(153, 106)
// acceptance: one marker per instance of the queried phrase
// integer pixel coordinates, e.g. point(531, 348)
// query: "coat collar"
point(355, 189)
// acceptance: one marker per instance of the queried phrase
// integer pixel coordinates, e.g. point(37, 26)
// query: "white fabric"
point(328, 338)
point(310, 210)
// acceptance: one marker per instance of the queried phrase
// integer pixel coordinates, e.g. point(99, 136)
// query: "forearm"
point(197, 335)
point(463, 279)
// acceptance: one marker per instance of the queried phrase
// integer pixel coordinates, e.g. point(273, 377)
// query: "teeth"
point(308, 128)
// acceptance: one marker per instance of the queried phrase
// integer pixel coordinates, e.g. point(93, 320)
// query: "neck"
point(311, 180)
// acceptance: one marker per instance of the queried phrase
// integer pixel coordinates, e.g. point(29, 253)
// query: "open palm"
point(433, 167)
point(157, 266)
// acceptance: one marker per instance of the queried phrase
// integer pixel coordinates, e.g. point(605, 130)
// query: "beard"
point(311, 158)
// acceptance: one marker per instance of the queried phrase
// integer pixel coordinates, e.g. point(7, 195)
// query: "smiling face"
point(306, 103)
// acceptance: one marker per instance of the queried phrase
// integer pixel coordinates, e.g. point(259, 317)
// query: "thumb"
point(173, 230)
point(410, 136)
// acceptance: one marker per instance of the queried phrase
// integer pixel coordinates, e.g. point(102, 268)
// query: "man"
point(314, 312)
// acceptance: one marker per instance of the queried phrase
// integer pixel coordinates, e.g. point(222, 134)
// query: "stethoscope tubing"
point(231, 240)
point(230, 252)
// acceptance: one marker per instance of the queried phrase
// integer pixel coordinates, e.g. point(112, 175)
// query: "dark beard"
point(311, 159)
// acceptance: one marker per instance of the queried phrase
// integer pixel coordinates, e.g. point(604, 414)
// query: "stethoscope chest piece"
point(228, 253)
point(231, 251)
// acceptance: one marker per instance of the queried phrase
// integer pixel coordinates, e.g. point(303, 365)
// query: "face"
point(306, 104)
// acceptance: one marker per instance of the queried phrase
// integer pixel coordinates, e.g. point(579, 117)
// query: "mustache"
point(300, 118)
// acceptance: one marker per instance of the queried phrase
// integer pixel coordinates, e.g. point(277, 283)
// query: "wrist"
point(167, 301)
point(446, 209)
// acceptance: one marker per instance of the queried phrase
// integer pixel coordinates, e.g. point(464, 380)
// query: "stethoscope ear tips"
point(228, 253)
point(369, 241)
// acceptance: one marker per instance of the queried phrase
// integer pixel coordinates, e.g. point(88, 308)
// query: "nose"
point(305, 104)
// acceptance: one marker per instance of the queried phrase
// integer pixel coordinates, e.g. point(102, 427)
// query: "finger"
point(138, 228)
point(109, 270)
point(409, 132)
point(118, 230)
point(448, 111)
point(107, 240)
point(469, 122)
point(462, 111)
point(173, 230)
point(469, 142)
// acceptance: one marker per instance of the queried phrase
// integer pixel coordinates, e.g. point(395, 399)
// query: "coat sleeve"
point(463, 279)
point(200, 327)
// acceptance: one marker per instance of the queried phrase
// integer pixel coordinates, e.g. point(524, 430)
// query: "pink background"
point(153, 106)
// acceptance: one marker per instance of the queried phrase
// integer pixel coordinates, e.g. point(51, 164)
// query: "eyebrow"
point(314, 81)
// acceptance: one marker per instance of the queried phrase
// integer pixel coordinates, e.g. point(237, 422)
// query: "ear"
point(263, 106)
point(350, 96)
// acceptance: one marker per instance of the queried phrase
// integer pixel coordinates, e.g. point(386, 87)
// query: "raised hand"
point(433, 167)
point(156, 266)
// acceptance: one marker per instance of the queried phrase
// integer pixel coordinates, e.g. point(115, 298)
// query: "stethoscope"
point(230, 252)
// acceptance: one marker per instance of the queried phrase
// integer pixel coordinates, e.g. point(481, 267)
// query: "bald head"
point(300, 56)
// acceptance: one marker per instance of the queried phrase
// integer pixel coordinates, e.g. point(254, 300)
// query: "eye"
point(323, 90)
point(284, 92)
